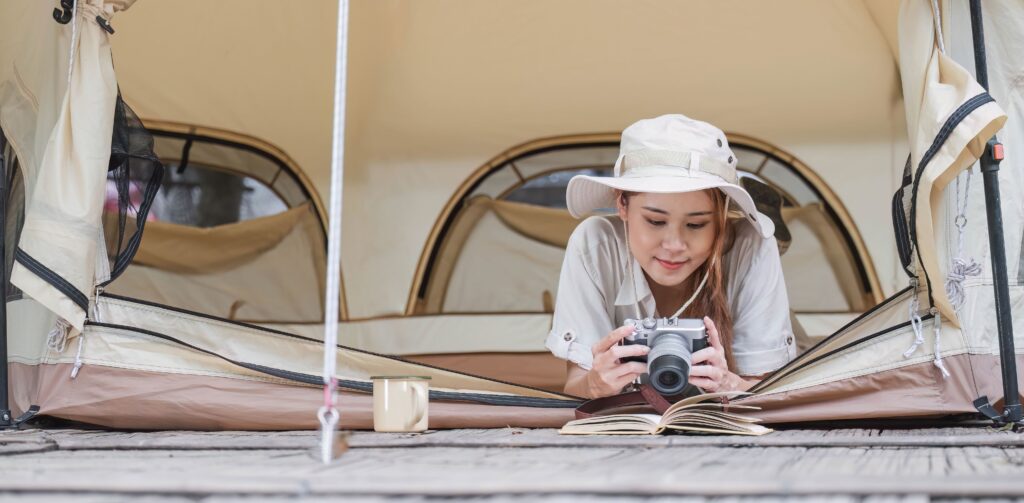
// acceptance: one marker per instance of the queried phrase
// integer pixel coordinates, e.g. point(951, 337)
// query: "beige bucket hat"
point(667, 154)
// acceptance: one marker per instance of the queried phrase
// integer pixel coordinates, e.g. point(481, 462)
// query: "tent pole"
point(6, 421)
point(990, 172)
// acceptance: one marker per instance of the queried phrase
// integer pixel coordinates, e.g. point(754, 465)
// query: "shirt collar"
point(626, 296)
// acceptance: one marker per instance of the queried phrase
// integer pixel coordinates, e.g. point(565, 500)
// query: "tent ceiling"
point(438, 87)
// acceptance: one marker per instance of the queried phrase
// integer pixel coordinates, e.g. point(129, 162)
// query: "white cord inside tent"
point(937, 18)
point(74, 40)
point(328, 413)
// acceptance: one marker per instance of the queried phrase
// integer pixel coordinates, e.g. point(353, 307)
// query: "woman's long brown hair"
point(711, 301)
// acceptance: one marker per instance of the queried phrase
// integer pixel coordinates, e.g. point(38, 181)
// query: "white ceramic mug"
point(400, 403)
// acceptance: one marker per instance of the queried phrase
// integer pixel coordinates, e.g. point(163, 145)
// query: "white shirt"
point(595, 296)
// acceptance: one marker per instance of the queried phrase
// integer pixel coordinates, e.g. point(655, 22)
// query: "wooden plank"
point(455, 471)
point(182, 440)
point(24, 441)
point(522, 437)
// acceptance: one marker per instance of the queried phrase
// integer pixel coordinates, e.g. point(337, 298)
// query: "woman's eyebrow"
point(663, 212)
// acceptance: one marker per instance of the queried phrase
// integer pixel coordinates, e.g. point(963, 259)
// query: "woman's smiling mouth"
point(669, 265)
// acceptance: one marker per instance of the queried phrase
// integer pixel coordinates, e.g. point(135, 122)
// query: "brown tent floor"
point(511, 464)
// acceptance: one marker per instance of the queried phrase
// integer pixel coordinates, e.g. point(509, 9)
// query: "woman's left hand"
point(709, 370)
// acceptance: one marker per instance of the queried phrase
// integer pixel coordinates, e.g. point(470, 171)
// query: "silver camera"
point(673, 342)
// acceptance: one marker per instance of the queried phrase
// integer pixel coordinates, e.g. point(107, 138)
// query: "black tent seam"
point(317, 341)
point(54, 279)
point(951, 123)
point(349, 384)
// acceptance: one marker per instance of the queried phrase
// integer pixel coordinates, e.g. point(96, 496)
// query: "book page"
point(617, 424)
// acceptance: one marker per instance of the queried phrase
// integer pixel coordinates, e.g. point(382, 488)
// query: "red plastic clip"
point(997, 151)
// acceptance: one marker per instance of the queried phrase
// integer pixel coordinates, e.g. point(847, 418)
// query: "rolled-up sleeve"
point(582, 315)
point(762, 331)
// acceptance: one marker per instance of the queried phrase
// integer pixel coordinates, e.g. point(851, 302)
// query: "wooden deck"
point(513, 464)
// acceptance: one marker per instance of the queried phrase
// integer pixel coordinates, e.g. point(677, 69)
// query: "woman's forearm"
point(576, 381)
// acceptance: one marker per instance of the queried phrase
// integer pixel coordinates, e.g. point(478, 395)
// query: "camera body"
point(673, 342)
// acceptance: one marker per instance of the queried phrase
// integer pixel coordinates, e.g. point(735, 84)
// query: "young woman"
point(686, 241)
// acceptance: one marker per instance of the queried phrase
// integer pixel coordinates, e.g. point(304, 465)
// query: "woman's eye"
point(696, 226)
point(656, 223)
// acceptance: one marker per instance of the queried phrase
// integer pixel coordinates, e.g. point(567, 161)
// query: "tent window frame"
point(869, 283)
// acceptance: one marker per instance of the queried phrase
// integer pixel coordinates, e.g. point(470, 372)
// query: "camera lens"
point(668, 379)
point(668, 363)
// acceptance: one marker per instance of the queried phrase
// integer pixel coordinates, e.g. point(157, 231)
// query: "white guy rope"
point(328, 414)
point(961, 267)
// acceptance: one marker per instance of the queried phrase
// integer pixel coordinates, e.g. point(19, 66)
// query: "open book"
point(698, 414)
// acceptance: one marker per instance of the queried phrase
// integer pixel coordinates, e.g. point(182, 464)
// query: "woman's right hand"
point(608, 374)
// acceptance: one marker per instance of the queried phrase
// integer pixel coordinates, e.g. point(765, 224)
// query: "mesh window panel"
point(135, 174)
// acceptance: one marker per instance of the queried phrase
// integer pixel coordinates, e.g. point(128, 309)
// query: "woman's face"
point(671, 235)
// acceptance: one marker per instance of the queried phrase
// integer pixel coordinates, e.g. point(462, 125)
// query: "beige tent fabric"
point(63, 207)
point(194, 250)
point(274, 275)
point(551, 226)
point(108, 344)
point(430, 112)
point(884, 394)
point(177, 401)
point(426, 109)
point(826, 280)
point(437, 334)
point(936, 89)
point(1005, 52)
point(526, 274)
point(539, 370)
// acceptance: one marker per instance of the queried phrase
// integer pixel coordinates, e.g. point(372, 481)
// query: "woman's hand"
point(608, 374)
point(714, 375)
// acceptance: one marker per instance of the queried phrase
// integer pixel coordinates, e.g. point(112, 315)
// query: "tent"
point(464, 121)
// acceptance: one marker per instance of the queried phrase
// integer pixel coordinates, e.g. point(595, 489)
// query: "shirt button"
point(568, 337)
point(789, 340)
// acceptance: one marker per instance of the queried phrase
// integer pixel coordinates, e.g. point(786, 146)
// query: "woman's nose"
point(674, 242)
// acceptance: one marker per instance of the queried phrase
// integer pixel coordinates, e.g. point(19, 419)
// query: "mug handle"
point(419, 404)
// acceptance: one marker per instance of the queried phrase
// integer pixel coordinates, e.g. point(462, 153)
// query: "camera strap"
point(646, 396)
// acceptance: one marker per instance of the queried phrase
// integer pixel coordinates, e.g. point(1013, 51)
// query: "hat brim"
point(586, 194)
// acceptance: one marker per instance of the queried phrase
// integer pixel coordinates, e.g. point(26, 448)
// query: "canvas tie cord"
point(331, 445)
point(959, 270)
point(913, 312)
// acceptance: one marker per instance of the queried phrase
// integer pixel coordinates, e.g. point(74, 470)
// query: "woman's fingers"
point(706, 355)
point(629, 351)
point(713, 338)
point(631, 369)
point(706, 371)
point(704, 383)
point(611, 339)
